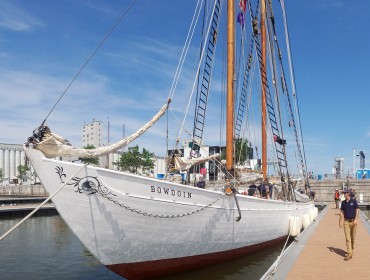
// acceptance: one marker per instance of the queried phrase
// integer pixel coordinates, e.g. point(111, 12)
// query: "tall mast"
point(230, 85)
point(263, 103)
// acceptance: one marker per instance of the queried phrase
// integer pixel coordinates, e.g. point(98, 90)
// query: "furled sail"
point(184, 164)
point(53, 145)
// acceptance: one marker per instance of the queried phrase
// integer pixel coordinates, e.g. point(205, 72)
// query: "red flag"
point(243, 5)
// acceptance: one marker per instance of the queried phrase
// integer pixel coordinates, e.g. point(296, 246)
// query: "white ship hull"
point(143, 227)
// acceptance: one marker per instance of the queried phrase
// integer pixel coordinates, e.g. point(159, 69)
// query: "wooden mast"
point(263, 79)
point(230, 86)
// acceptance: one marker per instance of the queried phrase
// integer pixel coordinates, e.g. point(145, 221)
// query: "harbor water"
point(45, 248)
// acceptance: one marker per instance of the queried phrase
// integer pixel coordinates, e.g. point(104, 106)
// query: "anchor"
point(231, 190)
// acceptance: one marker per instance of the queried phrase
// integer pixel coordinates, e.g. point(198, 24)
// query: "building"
point(208, 170)
point(12, 156)
point(338, 167)
point(92, 134)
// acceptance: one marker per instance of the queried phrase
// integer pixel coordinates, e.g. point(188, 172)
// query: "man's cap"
point(346, 191)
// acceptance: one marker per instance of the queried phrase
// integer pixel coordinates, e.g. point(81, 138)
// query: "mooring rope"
point(42, 204)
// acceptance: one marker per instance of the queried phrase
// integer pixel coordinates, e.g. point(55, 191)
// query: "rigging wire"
point(223, 90)
point(89, 58)
point(182, 59)
point(238, 74)
point(196, 78)
point(186, 47)
point(255, 62)
point(201, 146)
point(292, 77)
point(271, 38)
point(223, 95)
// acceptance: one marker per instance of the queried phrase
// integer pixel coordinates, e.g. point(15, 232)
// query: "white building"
point(12, 156)
point(208, 170)
point(92, 134)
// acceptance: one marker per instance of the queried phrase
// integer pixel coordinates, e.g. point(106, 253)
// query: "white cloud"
point(14, 18)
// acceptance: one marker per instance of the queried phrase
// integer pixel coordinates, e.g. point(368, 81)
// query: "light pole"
point(354, 161)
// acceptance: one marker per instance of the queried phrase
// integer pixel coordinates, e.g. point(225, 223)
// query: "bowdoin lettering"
point(170, 192)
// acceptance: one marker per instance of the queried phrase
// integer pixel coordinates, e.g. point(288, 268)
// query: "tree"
point(22, 171)
point(242, 151)
point(1, 174)
point(132, 160)
point(90, 160)
point(147, 160)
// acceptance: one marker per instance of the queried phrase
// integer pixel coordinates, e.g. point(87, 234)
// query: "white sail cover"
point(53, 145)
point(183, 164)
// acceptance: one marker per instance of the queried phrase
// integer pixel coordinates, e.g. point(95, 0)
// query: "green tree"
point(242, 151)
point(22, 171)
point(1, 173)
point(132, 160)
point(147, 160)
point(90, 160)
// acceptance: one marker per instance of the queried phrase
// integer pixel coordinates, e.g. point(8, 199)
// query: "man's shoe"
point(348, 257)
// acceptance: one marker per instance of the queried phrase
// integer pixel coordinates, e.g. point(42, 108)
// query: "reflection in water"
point(44, 247)
point(249, 267)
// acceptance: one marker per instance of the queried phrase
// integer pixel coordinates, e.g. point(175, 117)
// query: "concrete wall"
point(325, 189)
point(23, 190)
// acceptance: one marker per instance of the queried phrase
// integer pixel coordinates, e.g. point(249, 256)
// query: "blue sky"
point(44, 43)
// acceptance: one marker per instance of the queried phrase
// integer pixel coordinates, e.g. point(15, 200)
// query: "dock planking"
point(323, 255)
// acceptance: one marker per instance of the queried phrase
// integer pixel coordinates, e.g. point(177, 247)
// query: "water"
point(44, 247)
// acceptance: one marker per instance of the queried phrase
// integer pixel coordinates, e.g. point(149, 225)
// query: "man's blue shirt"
point(349, 208)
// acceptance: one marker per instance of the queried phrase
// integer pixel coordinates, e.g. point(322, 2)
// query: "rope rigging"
point(294, 93)
point(274, 119)
point(89, 58)
point(285, 90)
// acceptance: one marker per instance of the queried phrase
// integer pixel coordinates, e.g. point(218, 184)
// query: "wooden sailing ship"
point(141, 227)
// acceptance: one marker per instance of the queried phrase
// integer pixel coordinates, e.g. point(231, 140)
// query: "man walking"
point(349, 213)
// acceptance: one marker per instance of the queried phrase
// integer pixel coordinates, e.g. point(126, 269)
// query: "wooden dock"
point(320, 254)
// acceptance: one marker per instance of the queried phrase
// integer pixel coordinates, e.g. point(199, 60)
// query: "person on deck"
point(336, 198)
point(263, 188)
point(201, 183)
point(342, 198)
point(352, 193)
point(349, 213)
point(312, 195)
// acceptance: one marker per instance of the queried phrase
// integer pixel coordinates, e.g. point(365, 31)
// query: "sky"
point(44, 44)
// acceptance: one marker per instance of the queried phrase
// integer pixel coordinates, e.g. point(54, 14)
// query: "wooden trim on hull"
point(152, 269)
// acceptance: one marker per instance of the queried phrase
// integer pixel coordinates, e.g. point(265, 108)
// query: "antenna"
point(108, 132)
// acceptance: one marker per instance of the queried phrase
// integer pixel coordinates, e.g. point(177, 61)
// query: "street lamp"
point(354, 161)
